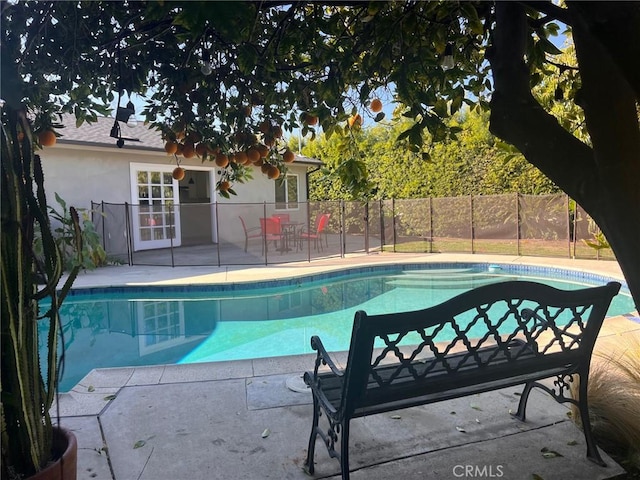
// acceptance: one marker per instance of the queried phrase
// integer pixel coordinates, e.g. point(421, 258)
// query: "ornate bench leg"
point(344, 450)
point(592, 448)
point(524, 397)
point(308, 466)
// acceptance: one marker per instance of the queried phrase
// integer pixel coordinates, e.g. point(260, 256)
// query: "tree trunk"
point(603, 179)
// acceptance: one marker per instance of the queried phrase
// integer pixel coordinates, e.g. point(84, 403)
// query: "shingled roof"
point(97, 134)
point(139, 137)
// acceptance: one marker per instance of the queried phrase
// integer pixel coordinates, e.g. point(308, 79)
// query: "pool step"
point(465, 281)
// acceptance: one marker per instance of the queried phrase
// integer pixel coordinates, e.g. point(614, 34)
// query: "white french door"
point(156, 207)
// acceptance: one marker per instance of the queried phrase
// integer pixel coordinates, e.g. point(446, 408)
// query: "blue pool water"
point(115, 327)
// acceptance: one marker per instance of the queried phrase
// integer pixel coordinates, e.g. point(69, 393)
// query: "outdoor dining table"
point(289, 231)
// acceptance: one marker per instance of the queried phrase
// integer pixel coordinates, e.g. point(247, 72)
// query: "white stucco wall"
point(80, 175)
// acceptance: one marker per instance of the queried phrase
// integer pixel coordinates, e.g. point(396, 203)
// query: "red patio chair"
point(317, 235)
point(271, 232)
point(284, 217)
point(253, 232)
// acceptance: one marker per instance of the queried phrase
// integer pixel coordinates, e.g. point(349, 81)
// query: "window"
point(287, 193)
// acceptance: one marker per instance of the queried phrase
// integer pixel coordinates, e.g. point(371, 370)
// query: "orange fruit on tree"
point(288, 156)
point(265, 126)
point(47, 138)
point(170, 147)
point(263, 149)
point(201, 149)
point(179, 148)
point(277, 131)
point(273, 172)
point(254, 154)
point(269, 140)
point(265, 167)
point(188, 151)
point(224, 186)
point(376, 105)
point(241, 157)
point(355, 119)
point(178, 173)
point(258, 162)
point(232, 157)
point(310, 119)
point(222, 160)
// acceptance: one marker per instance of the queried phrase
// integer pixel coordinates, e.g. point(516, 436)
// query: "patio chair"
point(249, 233)
point(271, 231)
point(316, 236)
point(284, 217)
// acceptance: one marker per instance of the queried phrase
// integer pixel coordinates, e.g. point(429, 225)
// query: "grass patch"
point(530, 247)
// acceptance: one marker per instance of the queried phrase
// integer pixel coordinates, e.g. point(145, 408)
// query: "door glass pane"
point(156, 216)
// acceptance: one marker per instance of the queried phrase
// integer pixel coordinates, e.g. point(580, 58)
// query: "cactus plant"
point(27, 391)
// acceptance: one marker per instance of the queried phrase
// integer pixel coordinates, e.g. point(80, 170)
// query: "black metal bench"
point(492, 337)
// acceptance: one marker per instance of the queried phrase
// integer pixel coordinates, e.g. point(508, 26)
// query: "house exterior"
point(87, 166)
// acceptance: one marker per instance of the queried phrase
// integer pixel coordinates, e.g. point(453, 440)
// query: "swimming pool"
point(125, 326)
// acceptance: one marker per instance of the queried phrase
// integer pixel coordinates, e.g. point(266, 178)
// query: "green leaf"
point(546, 453)
point(441, 108)
point(139, 443)
point(475, 25)
point(549, 47)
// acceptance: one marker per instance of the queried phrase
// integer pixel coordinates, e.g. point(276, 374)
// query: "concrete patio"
point(240, 420)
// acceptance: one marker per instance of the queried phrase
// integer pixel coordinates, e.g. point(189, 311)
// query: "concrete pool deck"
point(238, 420)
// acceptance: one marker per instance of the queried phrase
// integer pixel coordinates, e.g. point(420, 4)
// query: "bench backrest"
point(561, 325)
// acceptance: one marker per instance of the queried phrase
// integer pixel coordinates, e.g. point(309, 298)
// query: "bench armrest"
point(323, 357)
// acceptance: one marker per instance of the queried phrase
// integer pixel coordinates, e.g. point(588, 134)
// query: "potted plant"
point(30, 442)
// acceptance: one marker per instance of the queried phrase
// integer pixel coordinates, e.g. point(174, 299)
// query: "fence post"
point(366, 227)
point(575, 225)
point(430, 224)
point(393, 223)
point(471, 221)
point(264, 233)
point(517, 223)
point(172, 231)
point(308, 231)
point(104, 245)
point(343, 230)
point(568, 225)
point(129, 232)
point(215, 207)
point(381, 221)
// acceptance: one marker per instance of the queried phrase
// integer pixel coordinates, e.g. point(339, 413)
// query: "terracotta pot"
point(65, 449)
